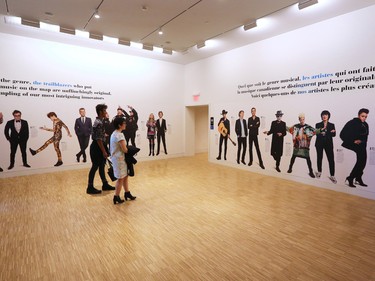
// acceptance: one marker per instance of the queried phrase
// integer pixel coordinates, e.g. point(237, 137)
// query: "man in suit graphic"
point(17, 133)
point(83, 129)
point(161, 127)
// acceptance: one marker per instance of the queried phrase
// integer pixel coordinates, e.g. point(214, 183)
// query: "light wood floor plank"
point(192, 220)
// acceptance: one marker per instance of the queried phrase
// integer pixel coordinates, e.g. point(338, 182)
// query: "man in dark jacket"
point(131, 125)
point(253, 123)
point(17, 133)
point(83, 129)
point(278, 132)
point(241, 132)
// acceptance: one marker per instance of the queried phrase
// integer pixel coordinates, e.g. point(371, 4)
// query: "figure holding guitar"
point(224, 129)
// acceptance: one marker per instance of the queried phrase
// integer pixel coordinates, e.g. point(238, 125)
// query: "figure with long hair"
point(151, 131)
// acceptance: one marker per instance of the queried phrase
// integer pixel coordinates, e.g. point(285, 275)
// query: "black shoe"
point(278, 169)
point(360, 182)
point(77, 157)
point(243, 162)
point(149, 154)
point(311, 174)
point(84, 160)
point(238, 161)
point(157, 153)
point(33, 152)
point(262, 166)
point(218, 158)
point(92, 190)
point(289, 171)
point(106, 187)
point(1, 169)
point(350, 181)
point(129, 196)
point(26, 165)
point(59, 163)
point(225, 158)
point(250, 163)
point(11, 166)
point(165, 153)
point(117, 200)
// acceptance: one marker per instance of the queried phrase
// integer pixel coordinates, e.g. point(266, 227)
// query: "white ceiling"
point(184, 22)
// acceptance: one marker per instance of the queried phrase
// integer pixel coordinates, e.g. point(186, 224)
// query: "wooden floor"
point(192, 220)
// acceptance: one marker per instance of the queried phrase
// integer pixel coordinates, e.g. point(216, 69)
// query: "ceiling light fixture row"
point(67, 30)
point(302, 4)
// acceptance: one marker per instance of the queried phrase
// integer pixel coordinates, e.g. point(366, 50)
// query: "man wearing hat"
point(224, 129)
point(278, 131)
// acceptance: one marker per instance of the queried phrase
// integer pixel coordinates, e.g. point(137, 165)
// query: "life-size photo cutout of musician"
point(83, 129)
point(278, 132)
point(354, 136)
point(324, 141)
point(253, 124)
point(241, 132)
point(302, 135)
point(224, 129)
point(17, 133)
point(1, 122)
point(55, 139)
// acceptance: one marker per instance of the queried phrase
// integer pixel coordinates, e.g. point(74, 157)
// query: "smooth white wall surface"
point(344, 44)
point(148, 85)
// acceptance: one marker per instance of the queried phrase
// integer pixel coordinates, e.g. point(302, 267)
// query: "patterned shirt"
point(98, 130)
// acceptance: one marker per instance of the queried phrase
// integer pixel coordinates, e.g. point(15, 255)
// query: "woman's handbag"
point(110, 171)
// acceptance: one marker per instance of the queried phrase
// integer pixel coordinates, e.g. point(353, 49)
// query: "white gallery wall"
point(39, 76)
point(326, 66)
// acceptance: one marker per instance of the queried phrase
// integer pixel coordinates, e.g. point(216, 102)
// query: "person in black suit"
point(278, 131)
point(224, 133)
point(83, 129)
point(131, 120)
point(354, 136)
point(241, 131)
point(324, 141)
point(253, 124)
point(161, 128)
point(1, 122)
point(17, 133)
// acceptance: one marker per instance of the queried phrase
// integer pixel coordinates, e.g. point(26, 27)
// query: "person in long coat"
point(278, 132)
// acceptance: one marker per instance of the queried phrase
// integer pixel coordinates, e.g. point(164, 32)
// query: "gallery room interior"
point(258, 165)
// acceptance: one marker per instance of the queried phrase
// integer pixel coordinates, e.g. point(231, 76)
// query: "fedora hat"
point(279, 113)
point(224, 112)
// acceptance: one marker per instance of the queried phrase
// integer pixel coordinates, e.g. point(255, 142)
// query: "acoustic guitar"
point(224, 132)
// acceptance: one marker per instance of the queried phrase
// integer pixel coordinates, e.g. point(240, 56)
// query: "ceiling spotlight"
point(167, 51)
point(147, 47)
point(302, 4)
point(96, 14)
point(250, 25)
point(201, 44)
point(160, 31)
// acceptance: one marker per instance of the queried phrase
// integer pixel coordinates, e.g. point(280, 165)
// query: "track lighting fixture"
point(250, 25)
point(201, 44)
point(306, 3)
point(96, 14)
